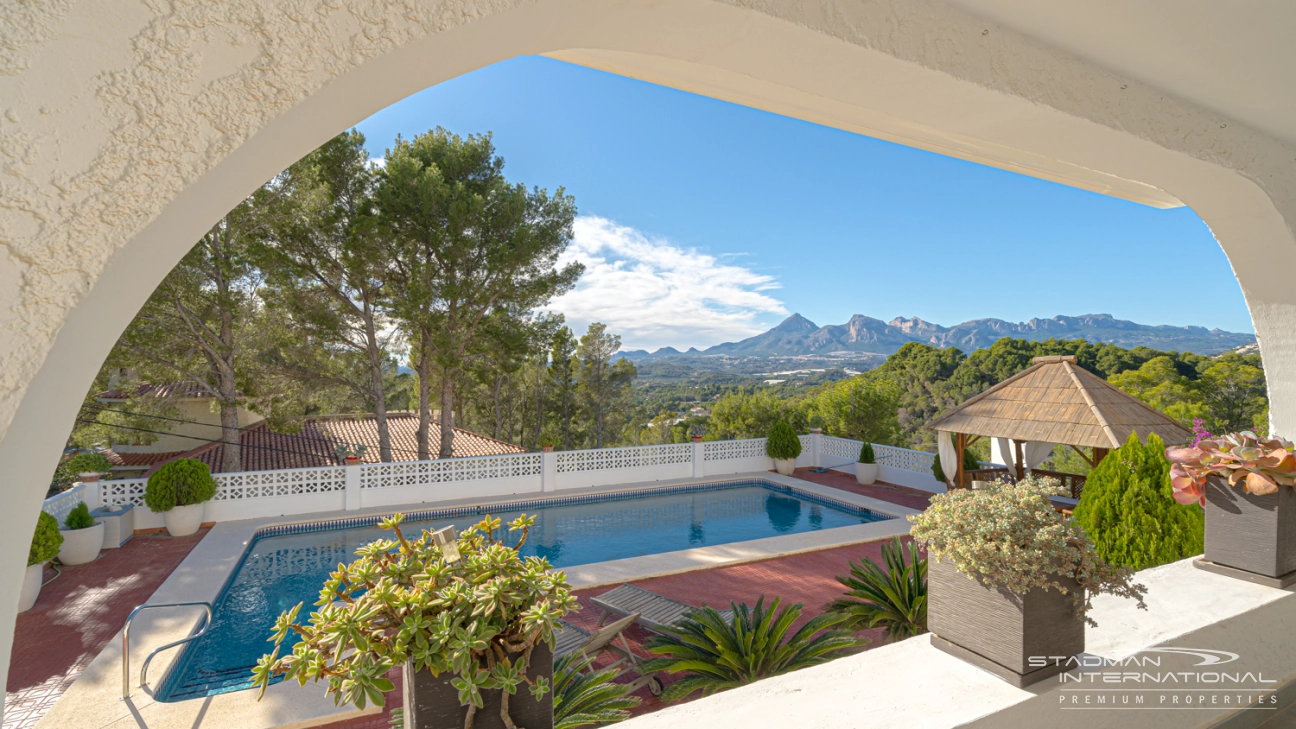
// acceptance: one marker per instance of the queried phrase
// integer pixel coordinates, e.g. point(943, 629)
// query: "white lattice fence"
point(916, 461)
point(836, 451)
point(601, 459)
point(448, 470)
point(729, 450)
point(60, 504)
point(287, 482)
point(123, 491)
point(604, 466)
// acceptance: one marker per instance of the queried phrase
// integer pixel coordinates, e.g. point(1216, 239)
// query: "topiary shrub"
point(46, 541)
point(182, 482)
point(866, 454)
point(89, 463)
point(79, 517)
point(783, 442)
point(970, 463)
point(1129, 511)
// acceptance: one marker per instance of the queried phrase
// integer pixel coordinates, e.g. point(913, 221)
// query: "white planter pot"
point(184, 520)
point(30, 587)
point(866, 473)
point(785, 466)
point(81, 545)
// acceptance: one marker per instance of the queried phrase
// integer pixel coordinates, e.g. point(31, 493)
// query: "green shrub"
point(89, 463)
point(783, 442)
point(587, 697)
point(894, 598)
point(718, 654)
point(866, 454)
point(79, 517)
point(970, 463)
point(46, 541)
point(182, 482)
point(1129, 511)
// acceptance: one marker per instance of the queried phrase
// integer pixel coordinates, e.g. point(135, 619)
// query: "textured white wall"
point(128, 127)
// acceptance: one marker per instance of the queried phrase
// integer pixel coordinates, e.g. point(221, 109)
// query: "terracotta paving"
point(75, 617)
point(911, 498)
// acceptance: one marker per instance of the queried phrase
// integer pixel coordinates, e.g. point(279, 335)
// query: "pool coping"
point(207, 569)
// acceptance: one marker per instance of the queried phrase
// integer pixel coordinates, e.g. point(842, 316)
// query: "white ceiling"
point(1236, 58)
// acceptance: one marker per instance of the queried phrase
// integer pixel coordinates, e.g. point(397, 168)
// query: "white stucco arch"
point(128, 128)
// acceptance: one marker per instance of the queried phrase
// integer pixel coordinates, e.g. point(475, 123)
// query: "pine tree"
point(1129, 513)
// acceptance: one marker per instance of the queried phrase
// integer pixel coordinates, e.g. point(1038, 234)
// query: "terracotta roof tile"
point(316, 443)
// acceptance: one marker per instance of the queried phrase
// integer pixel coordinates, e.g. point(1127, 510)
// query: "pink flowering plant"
point(1259, 466)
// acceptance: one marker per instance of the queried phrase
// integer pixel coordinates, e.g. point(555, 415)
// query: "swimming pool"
point(287, 564)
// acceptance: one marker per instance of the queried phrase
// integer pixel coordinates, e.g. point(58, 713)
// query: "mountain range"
point(798, 335)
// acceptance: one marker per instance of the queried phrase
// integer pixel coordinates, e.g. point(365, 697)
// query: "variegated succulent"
point(1259, 466)
point(473, 607)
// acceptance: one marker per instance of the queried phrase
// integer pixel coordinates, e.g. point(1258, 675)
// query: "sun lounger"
point(655, 612)
point(574, 639)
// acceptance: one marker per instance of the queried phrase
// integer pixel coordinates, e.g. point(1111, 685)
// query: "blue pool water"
point(280, 571)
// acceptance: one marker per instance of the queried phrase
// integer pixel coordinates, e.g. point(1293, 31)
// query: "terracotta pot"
point(182, 521)
point(81, 545)
point(695, 438)
point(867, 473)
point(785, 466)
point(88, 477)
point(31, 587)
point(1012, 636)
point(353, 460)
point(1254, 536)
point(431, 702)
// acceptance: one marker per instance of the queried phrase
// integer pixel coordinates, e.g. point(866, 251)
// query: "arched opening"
point(1005, 101)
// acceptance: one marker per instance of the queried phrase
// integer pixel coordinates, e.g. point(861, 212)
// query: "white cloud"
point(656, 294)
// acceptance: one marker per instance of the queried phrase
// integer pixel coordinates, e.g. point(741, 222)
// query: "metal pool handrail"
point(126, 642)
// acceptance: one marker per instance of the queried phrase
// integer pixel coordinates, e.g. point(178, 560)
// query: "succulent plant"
point(1260, 466)
point(473, 608)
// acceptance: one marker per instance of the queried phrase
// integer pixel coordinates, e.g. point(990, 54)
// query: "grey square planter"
point(1250, 537)
point(432, 703)
point(998, 630)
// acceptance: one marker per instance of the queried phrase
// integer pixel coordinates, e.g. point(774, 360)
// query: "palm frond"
point(894, 598)
point(584, 697)
point(716, 654)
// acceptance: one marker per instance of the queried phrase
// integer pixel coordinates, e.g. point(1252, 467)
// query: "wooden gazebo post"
point(960, 443)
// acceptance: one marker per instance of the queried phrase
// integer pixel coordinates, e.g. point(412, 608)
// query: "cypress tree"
point(1129, 513)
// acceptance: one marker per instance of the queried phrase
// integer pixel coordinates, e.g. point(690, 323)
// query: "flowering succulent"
point(1009, 535)
point(1261, 466)
point(474, 608)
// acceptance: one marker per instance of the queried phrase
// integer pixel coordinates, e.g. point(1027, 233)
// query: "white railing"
point(255, 494)
point(60, 504)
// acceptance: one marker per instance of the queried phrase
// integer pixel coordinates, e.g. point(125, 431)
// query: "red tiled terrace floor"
point(77, 614)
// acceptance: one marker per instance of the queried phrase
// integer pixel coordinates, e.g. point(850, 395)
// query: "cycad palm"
point(718, 654)
point(894, 598)
point(584, 698)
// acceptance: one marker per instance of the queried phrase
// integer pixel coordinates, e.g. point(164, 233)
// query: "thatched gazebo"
point(1053, 401)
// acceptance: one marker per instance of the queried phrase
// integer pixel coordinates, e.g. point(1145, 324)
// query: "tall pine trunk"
point(377, 386)
point(424, 366)
point(447, 414)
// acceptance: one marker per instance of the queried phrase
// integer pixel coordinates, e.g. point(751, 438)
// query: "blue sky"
point(703, 221)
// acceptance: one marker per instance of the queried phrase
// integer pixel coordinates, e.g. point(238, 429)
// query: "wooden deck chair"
point(574, 639)
point(655, 612)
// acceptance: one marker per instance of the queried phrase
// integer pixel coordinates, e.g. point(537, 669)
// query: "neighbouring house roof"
point(1055, 401)
point(172, 390)
point(138, 460)
point(316, 444)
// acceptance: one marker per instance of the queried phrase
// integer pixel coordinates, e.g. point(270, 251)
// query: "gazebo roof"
point(1054, 401)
